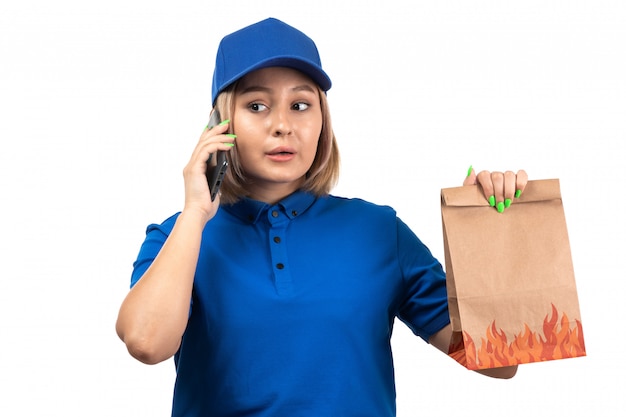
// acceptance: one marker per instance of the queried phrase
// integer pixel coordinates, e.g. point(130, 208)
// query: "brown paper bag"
point(510, 278)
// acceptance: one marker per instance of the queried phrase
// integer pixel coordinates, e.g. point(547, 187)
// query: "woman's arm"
point(441, 340)
point(154, 314)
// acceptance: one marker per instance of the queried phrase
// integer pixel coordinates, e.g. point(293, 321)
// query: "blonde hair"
point(321, 176)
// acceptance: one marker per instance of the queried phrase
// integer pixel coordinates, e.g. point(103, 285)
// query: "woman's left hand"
point(500, 188)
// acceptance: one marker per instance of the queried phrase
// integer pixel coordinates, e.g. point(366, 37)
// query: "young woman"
point(277, 298)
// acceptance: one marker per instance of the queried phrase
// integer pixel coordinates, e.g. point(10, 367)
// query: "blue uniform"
point(293, 307)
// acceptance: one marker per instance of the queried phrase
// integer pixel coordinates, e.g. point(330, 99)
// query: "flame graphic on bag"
point(561, 339)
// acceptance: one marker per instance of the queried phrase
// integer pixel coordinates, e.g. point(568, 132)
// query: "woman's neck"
point(273, 193)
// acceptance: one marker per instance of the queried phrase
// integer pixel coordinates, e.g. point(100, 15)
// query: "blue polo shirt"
point(293, 307)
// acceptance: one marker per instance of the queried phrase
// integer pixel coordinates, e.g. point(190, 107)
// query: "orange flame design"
point(558, 342)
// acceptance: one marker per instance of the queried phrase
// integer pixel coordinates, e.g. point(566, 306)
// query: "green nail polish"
point(518, 193)
point(492, 201)
point(229, 144)
point(469, 171)
point(230, 135)
point(507, 203)
point(500, 207)
point(224, 122)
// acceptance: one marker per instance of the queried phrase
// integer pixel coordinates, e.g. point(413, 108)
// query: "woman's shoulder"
point(165, 226)
point(357, 205)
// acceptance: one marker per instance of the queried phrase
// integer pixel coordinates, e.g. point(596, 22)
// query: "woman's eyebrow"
point(259, 88)
point(254, 89)
point(303, 87)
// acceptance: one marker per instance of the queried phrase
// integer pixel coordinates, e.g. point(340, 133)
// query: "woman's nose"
point(281, 123)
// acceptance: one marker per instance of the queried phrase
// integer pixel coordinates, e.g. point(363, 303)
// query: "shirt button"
point(274, 213)
point(294, 213)
point(280, 266)
point(276, 239)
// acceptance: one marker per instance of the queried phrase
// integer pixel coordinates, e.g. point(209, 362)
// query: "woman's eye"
point(257, 107)
point(300, 106)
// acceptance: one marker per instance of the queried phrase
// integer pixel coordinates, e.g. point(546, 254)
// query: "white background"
point(101, 104)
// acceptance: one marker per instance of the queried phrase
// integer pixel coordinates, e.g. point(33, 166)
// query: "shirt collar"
point(251, 211)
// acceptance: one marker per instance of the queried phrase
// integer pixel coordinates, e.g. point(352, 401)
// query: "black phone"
point(217, 164)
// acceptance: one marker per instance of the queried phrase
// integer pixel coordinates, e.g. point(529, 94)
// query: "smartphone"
point(217, 164)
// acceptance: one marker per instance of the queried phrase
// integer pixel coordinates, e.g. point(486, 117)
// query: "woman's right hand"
point(197, 195)
point(155, 313)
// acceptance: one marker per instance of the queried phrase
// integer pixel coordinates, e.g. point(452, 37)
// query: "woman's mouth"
point(281, 154)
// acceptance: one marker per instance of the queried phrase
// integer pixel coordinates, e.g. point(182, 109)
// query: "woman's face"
point(278, 121)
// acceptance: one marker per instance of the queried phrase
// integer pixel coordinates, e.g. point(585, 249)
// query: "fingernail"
point(507, 203)
point(224, 122)
point(492, 201)
point(500, 207)
point(229, 144)
point(518, 193)
point(469, 171)
point(230, 135)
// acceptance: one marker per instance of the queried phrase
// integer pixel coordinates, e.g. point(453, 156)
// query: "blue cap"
point(268, 43)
